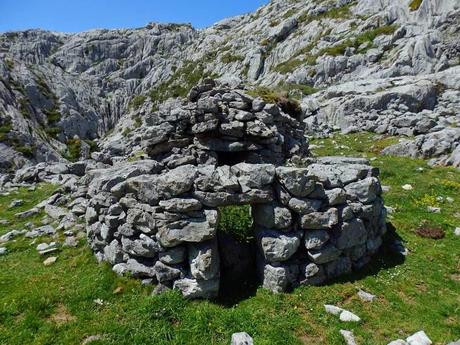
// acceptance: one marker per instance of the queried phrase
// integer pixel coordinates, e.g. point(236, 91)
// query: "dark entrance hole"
point(231, 158)
point(237, 248)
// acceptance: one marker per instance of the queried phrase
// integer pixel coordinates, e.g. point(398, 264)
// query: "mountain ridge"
point(57, 88)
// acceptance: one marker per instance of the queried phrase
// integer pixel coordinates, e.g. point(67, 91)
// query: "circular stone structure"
point(157, 218)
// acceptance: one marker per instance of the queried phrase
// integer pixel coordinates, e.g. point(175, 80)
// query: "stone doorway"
point(238, 254)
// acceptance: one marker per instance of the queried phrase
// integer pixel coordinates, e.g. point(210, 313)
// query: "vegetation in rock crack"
point(282, 97)
point(138, 101)
point(73, 149)
point(414, 5)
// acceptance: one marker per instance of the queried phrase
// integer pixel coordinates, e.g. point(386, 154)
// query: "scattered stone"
point(51, 260)
point(386, 189)
point(47, 248)
point(398, 342)
point(10, 235)
point(55, 212)
point(92, 339)
point(457, 231)
point(3, 251)
point(390, 210)
point(434, 209)
point(16, 203)
point(366, 296)
point(344, 315)
point(70, 242)
point(99, 301)
point(4, 222)
point(407, 187)
point(419, 338)
point(455, 343)
point(27, 214)
point(347, 316)
point(41, 231)
point(332, 309)
point(192, 288)
point(348, 336)
point(241, 338)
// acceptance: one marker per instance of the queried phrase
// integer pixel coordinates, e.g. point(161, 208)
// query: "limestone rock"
point(241, 338)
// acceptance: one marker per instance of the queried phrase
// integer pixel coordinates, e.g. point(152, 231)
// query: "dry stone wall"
point(157, 219)
point(312, 224)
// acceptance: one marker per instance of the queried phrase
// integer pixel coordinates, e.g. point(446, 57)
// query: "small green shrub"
point(237, 221)
point(24, 107)
point(299, 90)
point(15, 85)
point(365, 37)
point(53, 132)
point(289, 13)
point(180, 84)
point(44, 88)
point(73, 149)
point(6, 127)
point(126, 131)
point(279, 96)
point(137, 101)
point(415, 5)
point(27, 151)
point(292, 64)
point(342, 12)
point(9, 64)
point(137, 122)
point(230, 58)
point(53, 115)
point(267, 94)
point(93, 147)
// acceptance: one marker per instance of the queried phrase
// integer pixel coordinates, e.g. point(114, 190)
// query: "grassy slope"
point(55, 305)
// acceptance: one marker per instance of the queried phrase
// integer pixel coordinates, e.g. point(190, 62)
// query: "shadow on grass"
point(239, 280)
point(387, 257)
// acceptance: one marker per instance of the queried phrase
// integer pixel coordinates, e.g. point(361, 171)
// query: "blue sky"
point(81, 15)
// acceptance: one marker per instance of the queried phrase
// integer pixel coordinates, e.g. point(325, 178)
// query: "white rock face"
point(84, 85)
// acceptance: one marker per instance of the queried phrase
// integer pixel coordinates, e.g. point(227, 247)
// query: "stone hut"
point(157, 218)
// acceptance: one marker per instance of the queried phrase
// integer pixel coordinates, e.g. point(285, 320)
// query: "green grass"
point(182, 81)
point(415, 5)
point(8, 138)
point(236, 220)
point(137, 102)
point(73, 150)
point(231, 58)
point(30, 200)
point(342, 12)
point(367, 37)
point(304, 57)
point(421, 293)
point(292, 64)
point(53, 115)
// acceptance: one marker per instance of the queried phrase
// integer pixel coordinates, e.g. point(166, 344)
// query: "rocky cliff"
point(386, 66)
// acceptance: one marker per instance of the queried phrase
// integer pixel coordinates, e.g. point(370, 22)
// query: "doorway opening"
point(237, 249)
point(231, 158)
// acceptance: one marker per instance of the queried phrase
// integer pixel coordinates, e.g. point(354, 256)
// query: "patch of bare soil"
point(61, 315)
point(431, 232)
